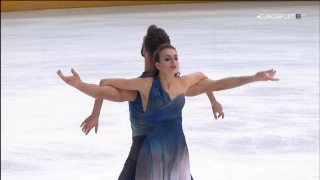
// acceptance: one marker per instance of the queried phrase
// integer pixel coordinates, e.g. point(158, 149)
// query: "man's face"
point(142, 54)
point(142, 48)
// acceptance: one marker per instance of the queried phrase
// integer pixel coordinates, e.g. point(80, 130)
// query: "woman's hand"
point(73, 81)
point(266, 75)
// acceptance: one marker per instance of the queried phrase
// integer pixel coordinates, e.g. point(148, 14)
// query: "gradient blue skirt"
point(164, 154)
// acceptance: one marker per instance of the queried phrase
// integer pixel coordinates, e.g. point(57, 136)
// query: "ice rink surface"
point(270, 131)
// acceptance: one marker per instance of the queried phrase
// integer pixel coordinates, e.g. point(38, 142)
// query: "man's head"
point(153, 39)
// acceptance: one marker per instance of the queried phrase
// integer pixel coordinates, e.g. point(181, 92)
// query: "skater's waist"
point(162, 116)
point(169, 126)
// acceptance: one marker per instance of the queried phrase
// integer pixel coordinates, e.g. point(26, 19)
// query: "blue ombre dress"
point(164, 154)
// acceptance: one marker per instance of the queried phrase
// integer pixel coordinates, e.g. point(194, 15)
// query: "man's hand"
point(89, 123)
point(217, 109)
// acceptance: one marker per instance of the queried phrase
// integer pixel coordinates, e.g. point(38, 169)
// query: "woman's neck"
point(166, 80)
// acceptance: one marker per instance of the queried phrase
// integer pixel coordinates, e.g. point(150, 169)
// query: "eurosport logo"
point(279, 16)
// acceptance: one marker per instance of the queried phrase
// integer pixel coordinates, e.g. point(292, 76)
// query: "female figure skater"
point(154, 37)
point(164, 154)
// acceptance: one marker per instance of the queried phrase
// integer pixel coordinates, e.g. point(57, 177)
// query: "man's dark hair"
point(155, 37)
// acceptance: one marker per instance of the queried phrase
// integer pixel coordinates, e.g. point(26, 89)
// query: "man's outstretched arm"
point(195, 78)
point(111, 94)
point(215, 106)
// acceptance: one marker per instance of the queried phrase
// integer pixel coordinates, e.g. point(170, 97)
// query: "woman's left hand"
point(266, 75)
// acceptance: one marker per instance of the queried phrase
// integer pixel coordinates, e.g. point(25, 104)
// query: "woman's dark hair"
point(156, 58)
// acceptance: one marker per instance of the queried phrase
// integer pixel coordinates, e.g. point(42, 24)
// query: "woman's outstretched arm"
point(99, 92)
point(207, 85)
point(192, 79)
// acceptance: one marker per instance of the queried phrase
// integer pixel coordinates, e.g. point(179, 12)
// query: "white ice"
point(270, 131)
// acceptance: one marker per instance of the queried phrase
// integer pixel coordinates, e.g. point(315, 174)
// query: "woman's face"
point(168, 63)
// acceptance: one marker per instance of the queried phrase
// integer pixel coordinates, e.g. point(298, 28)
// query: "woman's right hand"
point(74, 80)
point(89, 123)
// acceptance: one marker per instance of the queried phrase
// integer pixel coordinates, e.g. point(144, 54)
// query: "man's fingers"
point(84, 128)
point(96, 129)
point(215, 115)
point(82, 123)
point(88, 131)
